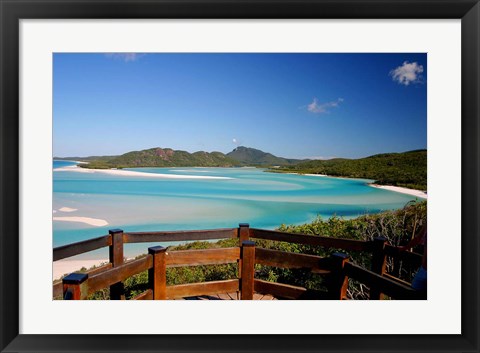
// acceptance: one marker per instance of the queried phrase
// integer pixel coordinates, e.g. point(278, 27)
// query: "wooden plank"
point(81, 247)
point(117, 274)
point(268, 297)
point(257, 296)
point(204, 288)
point(99, 269)
point(275, 258)
point(396, 279)
point(286, 291)
point(278, 289)
point(326, 242)
point(411, 257)
point(224, 296)
point(151, 237)
point(147, 295)
point(202, 257)
point(387, 286)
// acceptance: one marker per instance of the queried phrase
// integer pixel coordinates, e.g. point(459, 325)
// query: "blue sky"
point(291, 105)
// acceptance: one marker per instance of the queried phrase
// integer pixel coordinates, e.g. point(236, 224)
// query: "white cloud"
point(319, 108)
point(407, 73)
point(127, 57)
point(236, 141)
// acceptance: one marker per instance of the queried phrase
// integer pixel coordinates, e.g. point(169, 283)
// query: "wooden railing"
point(336, 268)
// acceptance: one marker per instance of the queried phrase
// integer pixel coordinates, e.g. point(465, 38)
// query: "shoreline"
point(412, 192)
point(121, 172)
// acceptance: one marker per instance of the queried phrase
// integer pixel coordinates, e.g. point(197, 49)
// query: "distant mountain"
point(407, 169)
point(252, 156)
point(162, 157)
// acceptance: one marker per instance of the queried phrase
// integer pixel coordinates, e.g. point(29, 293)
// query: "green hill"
point(254, 157)
point(408, 169)
point(163, 157)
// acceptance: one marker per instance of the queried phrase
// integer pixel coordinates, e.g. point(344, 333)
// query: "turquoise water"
point(265, 200)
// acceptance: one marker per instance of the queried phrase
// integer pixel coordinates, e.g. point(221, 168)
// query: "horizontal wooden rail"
point(286, 291)
point(396, 279)
point(204, 288)
point(81, 247)
point(202, 257)
point(58, 286)
point(384, 285)
point(118, 274)
point(276, 258)
point(150, 237)
point(278, 290)
point(147, 295)
point(315, 240)
point(412, 257)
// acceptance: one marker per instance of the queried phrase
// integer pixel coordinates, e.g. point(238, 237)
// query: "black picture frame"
point(12, 11)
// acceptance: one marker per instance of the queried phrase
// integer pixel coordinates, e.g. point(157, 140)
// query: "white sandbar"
point(63, 267)
point(122, 172)
point(67, 209)
point(90, 221)
point(417, 193)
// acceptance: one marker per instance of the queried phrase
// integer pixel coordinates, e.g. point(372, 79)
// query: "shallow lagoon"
point(265, 200)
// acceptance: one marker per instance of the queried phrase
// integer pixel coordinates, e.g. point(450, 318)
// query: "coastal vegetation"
point(398, 227)
point(408, 169)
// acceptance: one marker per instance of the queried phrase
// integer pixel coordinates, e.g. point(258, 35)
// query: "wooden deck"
point(229, 296)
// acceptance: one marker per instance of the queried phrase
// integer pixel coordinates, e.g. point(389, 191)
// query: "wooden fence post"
point(157, 275)
point(379, 264)
point(116, 259)
point(339, 281)
point(243, 232)
point(243, 235)
point(248, 270)
point(74, 286)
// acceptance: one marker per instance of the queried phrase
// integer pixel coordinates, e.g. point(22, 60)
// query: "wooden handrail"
point(81, 247)
point(276, 258)
point(315, 240)
point(286, 291)
point(79, 286)
point(412, 257)
point(118, 274)
point(58, 286)
point(202, 257)
point(203, 288)
point(385, 285)
point(208, 234)
point(147, 295)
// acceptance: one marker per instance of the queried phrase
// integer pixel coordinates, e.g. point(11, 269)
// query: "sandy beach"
point(62, 267)
point(121, 172)
point(87, 220)
point(417, 193)
point(67, 209)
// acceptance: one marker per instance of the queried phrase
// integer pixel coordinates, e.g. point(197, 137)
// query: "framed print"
point(110, 78)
